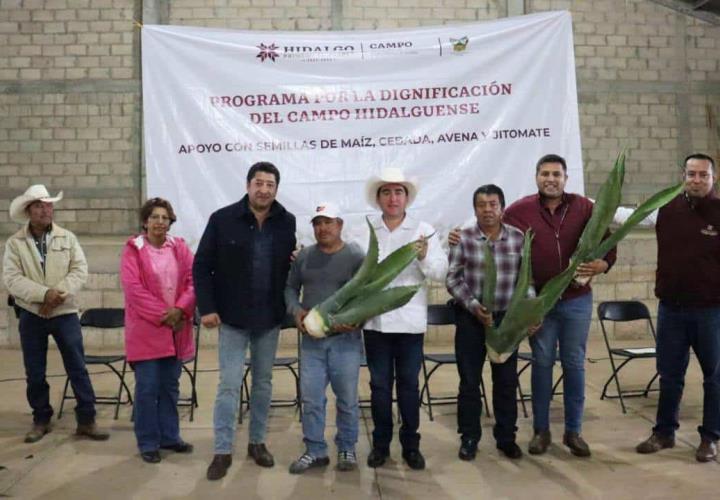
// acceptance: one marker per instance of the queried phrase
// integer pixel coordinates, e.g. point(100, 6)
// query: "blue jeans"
point(232, 345)
point(335, 360)
point(390, 357)
point(568, 324)
point(65, 329)
point(680, 328)
point(157, 387)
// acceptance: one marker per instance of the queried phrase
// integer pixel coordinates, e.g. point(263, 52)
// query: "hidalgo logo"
point(268, 52)
point(459, 44)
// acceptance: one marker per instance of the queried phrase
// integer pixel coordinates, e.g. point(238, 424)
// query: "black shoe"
point(377, 457)
point(414, 459)
point(260, 454)
point(151, 457)
point(180, 447)
point(218, 467)
point(468, 449)
point(91, 431)
point(577, 444)
point(540, 442)
point(655, 443)
point(37, 432)
point(510, 449)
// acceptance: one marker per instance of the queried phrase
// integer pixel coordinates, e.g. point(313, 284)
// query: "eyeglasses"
point(163, 218)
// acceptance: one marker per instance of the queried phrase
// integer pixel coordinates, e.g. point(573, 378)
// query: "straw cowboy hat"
point(33, 193)
point(390, 175)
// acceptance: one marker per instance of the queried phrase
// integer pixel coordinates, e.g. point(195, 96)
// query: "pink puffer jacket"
point(145, 336)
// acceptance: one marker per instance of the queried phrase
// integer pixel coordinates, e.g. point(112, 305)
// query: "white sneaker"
point(306, 462)
point(346, 460)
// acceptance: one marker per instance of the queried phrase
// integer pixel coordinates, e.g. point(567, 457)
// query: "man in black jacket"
point(240, 270)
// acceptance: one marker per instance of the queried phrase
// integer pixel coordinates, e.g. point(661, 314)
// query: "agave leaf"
point(362, 308)
point(524, 274)
point(390, 267)
point(351, 288)
point(606, 203)
point(502, 341)
point(658, 200)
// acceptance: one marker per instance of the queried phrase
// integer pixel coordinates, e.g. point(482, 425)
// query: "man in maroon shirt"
point(558, 218)
point(688, 286)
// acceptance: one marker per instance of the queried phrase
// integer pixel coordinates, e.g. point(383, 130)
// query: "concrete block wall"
point(70, 101)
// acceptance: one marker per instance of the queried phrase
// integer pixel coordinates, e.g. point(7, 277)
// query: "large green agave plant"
point(523, 311)
point(364, 296)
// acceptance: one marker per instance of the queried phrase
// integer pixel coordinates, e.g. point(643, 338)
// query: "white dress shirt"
point(412, 317)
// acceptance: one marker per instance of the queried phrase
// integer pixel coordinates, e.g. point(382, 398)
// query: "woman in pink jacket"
point(156, 275)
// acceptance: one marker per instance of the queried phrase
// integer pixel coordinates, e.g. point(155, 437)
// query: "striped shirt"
point(466, 272)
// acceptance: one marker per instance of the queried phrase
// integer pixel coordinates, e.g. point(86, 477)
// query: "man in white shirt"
point(394, 340)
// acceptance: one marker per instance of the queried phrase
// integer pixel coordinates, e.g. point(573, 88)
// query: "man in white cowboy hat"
point(394, 340)
point(43, 269)
point(319, 271)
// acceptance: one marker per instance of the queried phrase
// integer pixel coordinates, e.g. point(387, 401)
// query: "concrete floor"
point(61, 466)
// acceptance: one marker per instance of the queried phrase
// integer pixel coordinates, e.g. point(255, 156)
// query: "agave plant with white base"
point(364, 296)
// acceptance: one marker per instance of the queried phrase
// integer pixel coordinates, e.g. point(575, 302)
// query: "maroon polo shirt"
point(688, 264)
point(556, 236)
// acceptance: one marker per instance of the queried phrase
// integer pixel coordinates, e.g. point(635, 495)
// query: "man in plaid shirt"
point(465, 283)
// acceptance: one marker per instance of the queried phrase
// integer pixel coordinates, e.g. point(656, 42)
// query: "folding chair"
point(192, 400)
point(523, 396)
point(104, 318)
point(442, 315)
point(622, 311)
point(289, 363)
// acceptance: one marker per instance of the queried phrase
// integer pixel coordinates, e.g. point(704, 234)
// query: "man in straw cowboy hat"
point(394, 340)
point(43, 269)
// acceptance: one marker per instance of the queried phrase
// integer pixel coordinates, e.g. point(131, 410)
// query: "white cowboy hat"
point(327, 209)
point(33, 193)
point(390, 175)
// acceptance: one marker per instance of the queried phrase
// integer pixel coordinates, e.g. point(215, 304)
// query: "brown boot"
point(218, 467)
point(37, 432)
point(260, 454)
point(655, 443)
point(577, 444)
point(707, 450)
point(540, 442)
point(91, 431)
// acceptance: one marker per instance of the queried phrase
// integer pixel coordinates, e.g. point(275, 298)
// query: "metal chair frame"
point(443, 315)
point(104, 318)
point(286, 362)
point(192, 400)
point(622, 311)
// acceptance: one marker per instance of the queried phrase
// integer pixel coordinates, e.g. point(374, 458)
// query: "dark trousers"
point(470, 352)
point(157, 388)
point(65, 329)
point(394, 357)
point(679, 329)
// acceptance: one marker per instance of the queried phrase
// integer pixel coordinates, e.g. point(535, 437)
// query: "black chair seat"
point(632, 352)
point(91, 359)
point(442, 357)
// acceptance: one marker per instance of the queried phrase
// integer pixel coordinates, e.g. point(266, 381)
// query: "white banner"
point(454, 106)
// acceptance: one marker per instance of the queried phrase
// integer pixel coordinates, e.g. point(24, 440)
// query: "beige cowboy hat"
point(390, 175)
point(33, 193)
